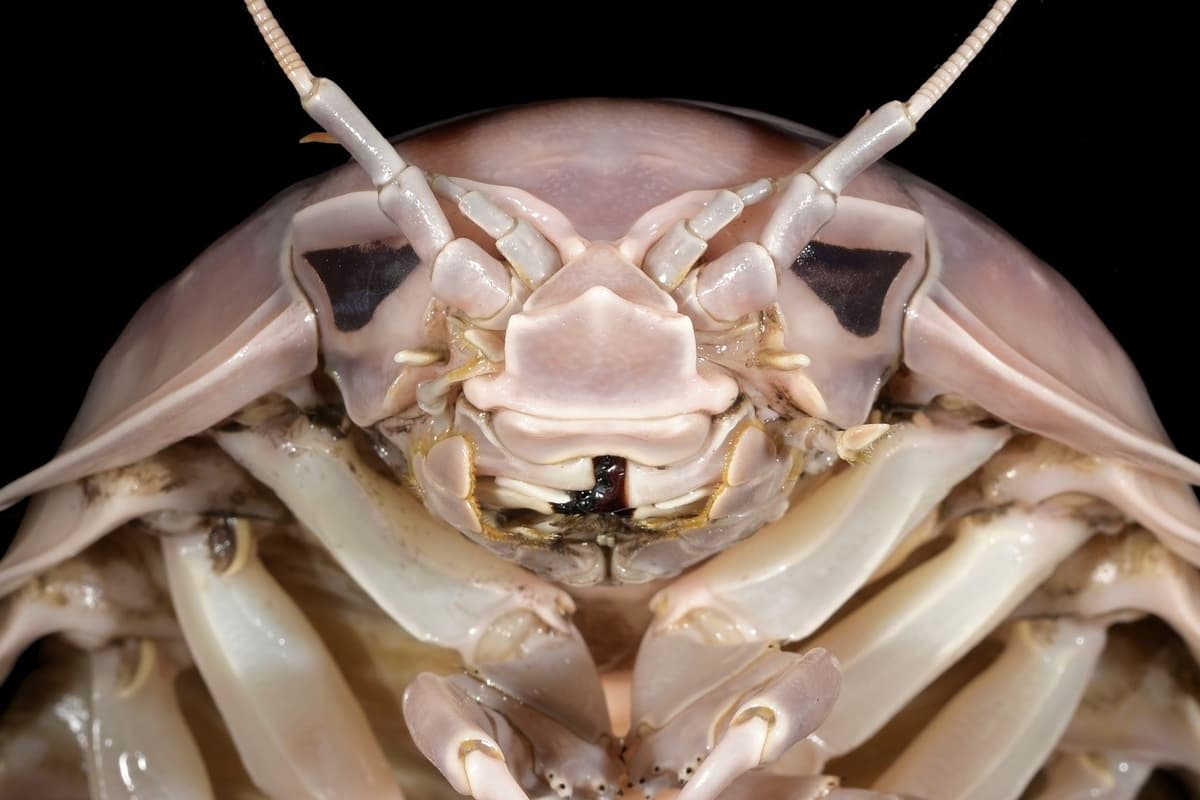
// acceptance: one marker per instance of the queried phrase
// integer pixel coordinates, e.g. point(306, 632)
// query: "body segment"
point(603, 409)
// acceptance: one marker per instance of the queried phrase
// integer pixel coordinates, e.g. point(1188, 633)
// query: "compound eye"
point(360, 277)
point(853, 282)
point(842, 303)
point(372, 296)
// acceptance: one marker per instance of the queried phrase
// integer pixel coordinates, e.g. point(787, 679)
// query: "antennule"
point(932, 90)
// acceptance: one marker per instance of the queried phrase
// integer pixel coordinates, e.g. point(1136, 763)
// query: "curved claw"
point(105, 592)
point(447, 727)
point(795, 702)
point(140, 745)
point(771, 703)
point(298, 728)
point(491, 746)
point(489, 779)
point(783, 712)
point(739, 751)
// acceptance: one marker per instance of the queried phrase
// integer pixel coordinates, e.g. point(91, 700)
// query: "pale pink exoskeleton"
point(607, 467)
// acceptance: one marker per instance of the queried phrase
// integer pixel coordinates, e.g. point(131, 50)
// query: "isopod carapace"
point(631, 467)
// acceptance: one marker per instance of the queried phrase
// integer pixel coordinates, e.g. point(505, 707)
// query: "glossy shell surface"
point(1131, 409)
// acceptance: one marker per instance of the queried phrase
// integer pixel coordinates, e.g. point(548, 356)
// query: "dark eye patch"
point(358, 278)
point(852, 282)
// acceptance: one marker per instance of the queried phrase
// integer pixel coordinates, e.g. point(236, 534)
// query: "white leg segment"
point(991, 739)
point(298, 729)
point(568, 765)
point(105, 592)
point(1141, 702)
point(140, 746)
point(787, 579)
point(1031, 469)
point(437, 584)
point(189, 477)
point(899, 641)
point(1129, 571)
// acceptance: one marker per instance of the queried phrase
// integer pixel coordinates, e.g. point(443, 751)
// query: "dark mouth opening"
point(607, 496)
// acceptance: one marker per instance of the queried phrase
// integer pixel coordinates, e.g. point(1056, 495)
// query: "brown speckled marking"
point(222, 546)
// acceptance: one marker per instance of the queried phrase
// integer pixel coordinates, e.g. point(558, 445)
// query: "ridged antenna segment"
point(404, 195)
point(932, 90)
point(281, 47)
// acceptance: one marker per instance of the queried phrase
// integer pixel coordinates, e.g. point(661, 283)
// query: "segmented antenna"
point(328, 104)
point(404, 194)
point(281, 47)
point(810, 197)
point(932, 90)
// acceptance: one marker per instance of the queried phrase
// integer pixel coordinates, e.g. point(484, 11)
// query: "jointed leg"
point(140, 745)
point(299, 730)
point(991, 739)
point(507, 624)
point(711, 639)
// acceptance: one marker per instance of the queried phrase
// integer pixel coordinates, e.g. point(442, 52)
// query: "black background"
point(136, 136)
